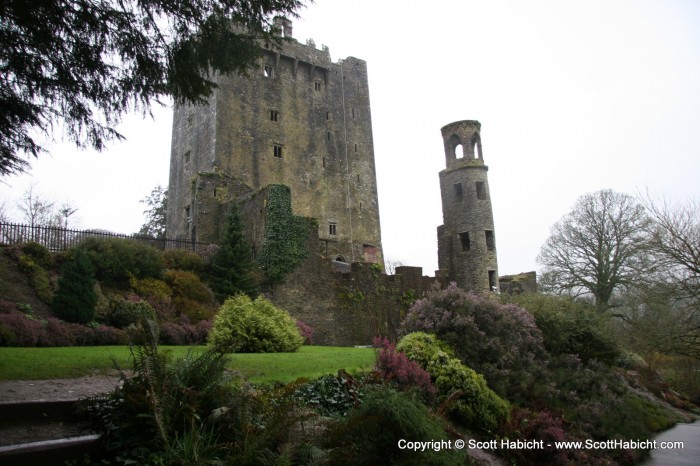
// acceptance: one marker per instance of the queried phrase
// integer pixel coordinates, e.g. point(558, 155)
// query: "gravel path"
point(56, 389)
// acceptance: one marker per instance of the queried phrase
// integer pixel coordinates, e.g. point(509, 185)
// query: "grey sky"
point(572, 97)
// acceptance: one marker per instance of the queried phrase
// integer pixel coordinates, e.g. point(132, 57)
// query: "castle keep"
point(295, 136)
point(297, 120)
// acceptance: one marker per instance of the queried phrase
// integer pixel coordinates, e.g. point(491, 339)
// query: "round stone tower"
point(466, 240)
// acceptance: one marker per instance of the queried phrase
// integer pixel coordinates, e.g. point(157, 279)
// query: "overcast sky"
point(572, 96)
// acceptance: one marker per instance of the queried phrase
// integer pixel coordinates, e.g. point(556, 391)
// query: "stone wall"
point(297, 119)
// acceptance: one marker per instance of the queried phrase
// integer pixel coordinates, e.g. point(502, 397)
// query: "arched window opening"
point(476, 146)
point(477, 151)
point(340, 259)
point(459, 151)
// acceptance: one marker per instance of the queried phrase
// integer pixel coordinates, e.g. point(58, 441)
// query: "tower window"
point(480, 190)
point(464, 239)
point(328, 135)
point(493, 281)
point(459, 151)
point(188, 217)
point(353, 113)
point(274, 115)
point(277, 151)
point(355, 147)
point(328, 116)
point(187, 157)
point(459, 195)
point(268, 71)
point(317, 85)
point(332, 229)
point(490, 242)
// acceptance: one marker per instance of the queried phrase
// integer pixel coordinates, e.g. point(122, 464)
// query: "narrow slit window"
point(464, 240)
point(274, 115)
point(480, 190)
point(328, 116)
point(268, 71)
point(332, 229)
point(353, 113)
point(490, 241)
point(317, 85)
point(277, 151)
point(493, 281)
point(187, 157)
point(328, 135)
point(459, 194)
point(355, 148)
point(188, 217)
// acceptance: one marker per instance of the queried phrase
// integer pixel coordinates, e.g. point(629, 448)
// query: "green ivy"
point(285, 236)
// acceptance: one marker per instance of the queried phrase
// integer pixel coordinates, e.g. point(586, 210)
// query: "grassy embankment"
point(309, 362)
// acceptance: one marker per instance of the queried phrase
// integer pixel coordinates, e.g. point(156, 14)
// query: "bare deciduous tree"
point(598, 248)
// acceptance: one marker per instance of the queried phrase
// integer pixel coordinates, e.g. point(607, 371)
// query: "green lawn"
point(309, 362)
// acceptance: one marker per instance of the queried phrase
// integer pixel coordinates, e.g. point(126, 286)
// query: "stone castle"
point(297, 120)
point(303, 123)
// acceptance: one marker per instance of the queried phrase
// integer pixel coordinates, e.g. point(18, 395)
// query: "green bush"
point(247, 326)
point(75, 298)
point(370, 434)
point(181, 259)
point(123, 313)
point(421, 347)
point(477, 406)
point(39, 254)
point(116, 260)
point(472, 403)
point(570, 326)
point(331, 395)
point(190, 296)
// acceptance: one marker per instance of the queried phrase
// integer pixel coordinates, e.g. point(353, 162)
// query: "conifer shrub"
point(246, 326)
point(230, 269)
point(75, 298)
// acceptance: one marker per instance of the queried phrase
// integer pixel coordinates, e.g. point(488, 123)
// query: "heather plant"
point(247, 326)
point(397, 369)
point(500, 341)
point(75, 299)
point(306, 331)
point(16, 329)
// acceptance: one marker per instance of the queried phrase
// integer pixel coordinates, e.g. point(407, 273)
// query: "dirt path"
point(56, 389)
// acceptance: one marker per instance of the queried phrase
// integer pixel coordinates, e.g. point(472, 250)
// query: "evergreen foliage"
point(230, 269)
point(117, 260)
point(85, 64)
point(469, 400)
point(75, 298)
point(246, 326)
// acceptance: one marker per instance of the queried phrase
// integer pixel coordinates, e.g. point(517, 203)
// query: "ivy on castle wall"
point(286, 235)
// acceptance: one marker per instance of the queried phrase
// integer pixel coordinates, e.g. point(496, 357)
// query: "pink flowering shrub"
point(306, 331)
point(20, 330)
point(500, 341)
point(395, 367)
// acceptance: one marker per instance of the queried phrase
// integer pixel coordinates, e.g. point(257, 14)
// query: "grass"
point(68, 362)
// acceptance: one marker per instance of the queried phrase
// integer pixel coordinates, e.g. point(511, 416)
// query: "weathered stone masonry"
point(299, 120)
